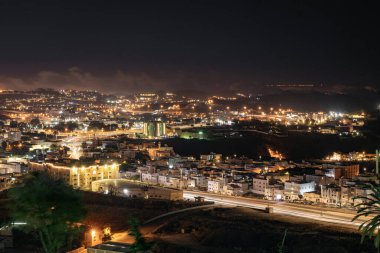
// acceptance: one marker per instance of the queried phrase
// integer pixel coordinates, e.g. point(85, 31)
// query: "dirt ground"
point(105, 210)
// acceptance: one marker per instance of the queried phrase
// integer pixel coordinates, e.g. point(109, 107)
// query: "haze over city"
point(211, 46)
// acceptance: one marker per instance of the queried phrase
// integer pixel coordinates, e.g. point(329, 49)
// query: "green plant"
point(281, 247)
point(50, 208)
point(370, 206)
point(140, 244)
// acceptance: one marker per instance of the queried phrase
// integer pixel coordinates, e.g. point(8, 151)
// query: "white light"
point(19, 223)
point(125, 191)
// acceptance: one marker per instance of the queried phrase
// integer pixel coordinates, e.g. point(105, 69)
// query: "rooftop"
point(113, 246)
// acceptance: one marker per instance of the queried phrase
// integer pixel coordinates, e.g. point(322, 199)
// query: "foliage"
point(35, 122)
point(63, 126)
point(370, 206)
point(140, 244)
point(51, 208)
point(54, 147)
point(142, 157)
point(281, 247)
point(4, 145)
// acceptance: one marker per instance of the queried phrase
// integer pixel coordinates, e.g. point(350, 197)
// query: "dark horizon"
point(124, 47)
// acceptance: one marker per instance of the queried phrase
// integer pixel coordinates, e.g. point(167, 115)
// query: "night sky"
point(211, 46)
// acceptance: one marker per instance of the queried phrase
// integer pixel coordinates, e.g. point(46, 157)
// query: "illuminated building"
point(146, 97)
point(79, 177)
point(154, 129)
point(124, 188)
point(293, 189)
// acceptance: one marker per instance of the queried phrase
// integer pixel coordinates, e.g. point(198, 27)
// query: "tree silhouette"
point(4, 145)
point(50, 208)
point(140, 244)
point(35, 122)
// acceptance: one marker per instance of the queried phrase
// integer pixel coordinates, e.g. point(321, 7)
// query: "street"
point(331, 215)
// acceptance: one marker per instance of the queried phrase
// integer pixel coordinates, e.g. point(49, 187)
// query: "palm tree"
point(370, 206)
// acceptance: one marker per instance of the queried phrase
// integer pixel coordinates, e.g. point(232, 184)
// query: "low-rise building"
point(8, 168)
point(259, 185)
point(122, 187)
point(275, 192)
point(331, 194)
point(150, 178)
point(314, 197)
point(232, 189)
point(296, 189)
point(78, 177)
point(214, 186)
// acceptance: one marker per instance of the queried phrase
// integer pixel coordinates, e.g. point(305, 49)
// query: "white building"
point(259, 184)
point(214, 186)
point(6, 168)
point(151, 178)
point(198, 181)
point(331, 194)
point(295, 189)
point(163, 180)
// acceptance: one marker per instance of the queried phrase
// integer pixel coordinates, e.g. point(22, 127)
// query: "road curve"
point(338, 216)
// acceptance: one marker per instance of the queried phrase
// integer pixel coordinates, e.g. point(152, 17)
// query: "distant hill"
point(316, 101)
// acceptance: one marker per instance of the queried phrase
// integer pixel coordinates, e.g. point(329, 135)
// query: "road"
point(334, 216)
point(149, 226)
point(74, 140)
point(331, 215)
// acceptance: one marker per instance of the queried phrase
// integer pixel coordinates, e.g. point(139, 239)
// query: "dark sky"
point(125, 46)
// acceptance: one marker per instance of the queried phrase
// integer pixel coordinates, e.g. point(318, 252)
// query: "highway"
point(330, 215)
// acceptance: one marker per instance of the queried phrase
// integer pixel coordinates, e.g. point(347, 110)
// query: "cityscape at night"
point(189, 126)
